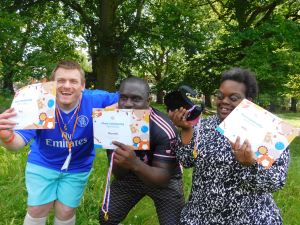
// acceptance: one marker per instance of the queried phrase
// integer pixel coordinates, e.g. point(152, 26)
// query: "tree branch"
point(155, 58)
point(148, 52)
point(270, 8)
point(136, 21)
point(288, 14)
point(296, 17)
point(219, 14)
point(89, 21)
point(143, 65)
point(167, 62)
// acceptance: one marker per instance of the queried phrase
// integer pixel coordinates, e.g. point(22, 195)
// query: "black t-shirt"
point(163, 135)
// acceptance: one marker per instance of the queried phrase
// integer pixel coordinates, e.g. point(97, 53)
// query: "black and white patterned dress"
point(223, 190)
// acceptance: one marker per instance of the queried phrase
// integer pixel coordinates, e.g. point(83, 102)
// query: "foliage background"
point(171, 42)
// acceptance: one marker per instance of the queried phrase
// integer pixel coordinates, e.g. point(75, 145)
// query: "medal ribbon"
point(106, 197)
point(65, 125)
point(68, 159)
point(198, 128)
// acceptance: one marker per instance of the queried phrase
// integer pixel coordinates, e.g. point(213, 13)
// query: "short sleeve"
point(102, 99)
point(27, 135)
point(163, 136)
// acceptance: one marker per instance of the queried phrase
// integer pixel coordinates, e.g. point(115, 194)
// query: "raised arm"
point(185, 141)
point(186, 128)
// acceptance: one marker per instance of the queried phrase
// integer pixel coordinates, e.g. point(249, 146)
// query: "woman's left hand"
point(243, 154)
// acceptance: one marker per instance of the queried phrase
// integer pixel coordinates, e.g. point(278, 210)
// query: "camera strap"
point(195, 152)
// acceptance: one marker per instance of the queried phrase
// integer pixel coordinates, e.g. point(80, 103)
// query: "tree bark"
point(159, 93)
point(106, 69)
point(293, 105)
point(8, 83)
point(272, 107)
point(207, 101)
point(160, 96)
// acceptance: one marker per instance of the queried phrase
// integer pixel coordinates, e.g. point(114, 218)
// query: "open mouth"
point(66, 93)
point(225, 110)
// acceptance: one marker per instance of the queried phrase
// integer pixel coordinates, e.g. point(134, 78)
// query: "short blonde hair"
point(68, 64)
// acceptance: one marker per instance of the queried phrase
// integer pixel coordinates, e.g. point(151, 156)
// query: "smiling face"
point(230, 94)
point(69, 87)
point(133, 96)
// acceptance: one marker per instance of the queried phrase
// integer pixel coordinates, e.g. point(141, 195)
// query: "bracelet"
point(10, 139)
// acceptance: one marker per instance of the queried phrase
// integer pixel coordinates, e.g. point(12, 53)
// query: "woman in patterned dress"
point(229, 186)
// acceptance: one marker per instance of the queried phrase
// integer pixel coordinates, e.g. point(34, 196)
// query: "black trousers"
point(126, 193)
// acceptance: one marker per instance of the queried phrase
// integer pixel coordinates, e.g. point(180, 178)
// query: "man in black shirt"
point(153, 172)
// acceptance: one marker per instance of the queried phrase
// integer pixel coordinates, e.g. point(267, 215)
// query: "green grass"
point(13, 196)
point(292, 118)
point(288, 198)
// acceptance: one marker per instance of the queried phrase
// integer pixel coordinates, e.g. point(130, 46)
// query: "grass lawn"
point(13, 194)
point(290, 117)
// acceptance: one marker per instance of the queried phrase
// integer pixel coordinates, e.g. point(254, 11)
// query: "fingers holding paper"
point(243, 153)
point(125, 156)
point(6, 124)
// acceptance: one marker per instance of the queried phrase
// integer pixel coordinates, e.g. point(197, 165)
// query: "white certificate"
point(268, 134)
point(128, 126)
point(35, 106)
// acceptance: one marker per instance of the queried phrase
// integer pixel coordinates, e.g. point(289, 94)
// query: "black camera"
point(177, 99)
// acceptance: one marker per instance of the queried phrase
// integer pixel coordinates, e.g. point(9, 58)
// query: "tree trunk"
point(9, 86)
point(107, 72)
point(207, 101)
point(272, 107)
point(107, 58)
point(8, 83)
point(160, 96)
point(293, 105)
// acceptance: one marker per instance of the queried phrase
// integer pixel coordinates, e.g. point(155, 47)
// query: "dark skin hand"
point(186, 128)
point(242, 154)
point(156, 176)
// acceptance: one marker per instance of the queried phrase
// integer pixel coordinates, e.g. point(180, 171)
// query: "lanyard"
point(65, 125)
point(106, 197)
point(68, 159)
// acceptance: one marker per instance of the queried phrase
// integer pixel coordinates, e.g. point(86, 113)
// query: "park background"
point(167, 42)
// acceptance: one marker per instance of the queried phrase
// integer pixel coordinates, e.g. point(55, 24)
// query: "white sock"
point(68, 222)
point(29, 220)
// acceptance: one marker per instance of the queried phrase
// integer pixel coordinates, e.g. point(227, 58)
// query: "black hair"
point(139, 81)
point(243, 76)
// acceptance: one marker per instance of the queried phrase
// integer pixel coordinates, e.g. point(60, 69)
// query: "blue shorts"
point(46, 185)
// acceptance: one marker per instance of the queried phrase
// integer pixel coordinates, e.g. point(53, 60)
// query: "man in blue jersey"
point(56, 175)
point(153, 172)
